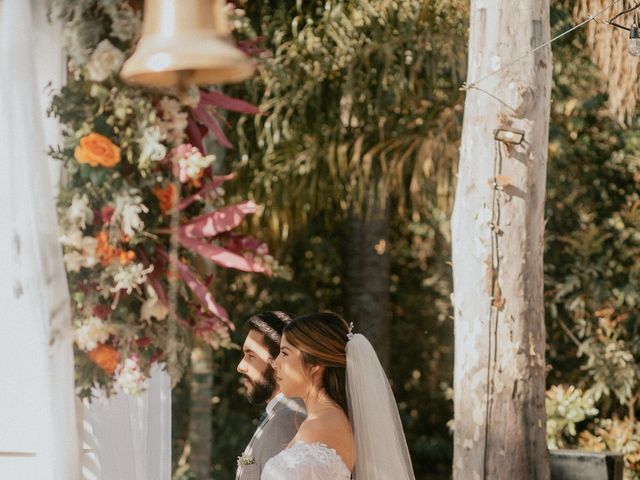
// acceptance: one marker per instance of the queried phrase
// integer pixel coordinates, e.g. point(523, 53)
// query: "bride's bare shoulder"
point(331, 428)
point(328, 424)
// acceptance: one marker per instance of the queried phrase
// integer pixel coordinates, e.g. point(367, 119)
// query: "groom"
point(281, 418)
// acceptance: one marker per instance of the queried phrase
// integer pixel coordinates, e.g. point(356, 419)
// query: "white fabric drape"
point(132, 434)
point(38, 437)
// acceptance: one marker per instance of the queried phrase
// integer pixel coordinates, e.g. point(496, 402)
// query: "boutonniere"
point(246, 459)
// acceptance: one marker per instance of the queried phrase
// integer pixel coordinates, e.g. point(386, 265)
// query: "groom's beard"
point(260, 390)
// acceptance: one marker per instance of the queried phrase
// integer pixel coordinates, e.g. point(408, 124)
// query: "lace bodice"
point(306, 461)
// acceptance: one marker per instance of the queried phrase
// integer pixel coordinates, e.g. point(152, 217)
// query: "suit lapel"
point(258, 433)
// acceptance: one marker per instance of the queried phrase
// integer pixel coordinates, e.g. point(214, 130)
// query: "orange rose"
point(105, 357)
point(108, 253)
point(104, 251)
point(166, 196)
point(96, 149)
point(127, 256)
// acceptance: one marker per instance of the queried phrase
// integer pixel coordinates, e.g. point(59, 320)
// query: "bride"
point(353, 428)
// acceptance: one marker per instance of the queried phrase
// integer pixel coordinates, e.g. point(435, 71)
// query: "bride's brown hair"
point(322, 340)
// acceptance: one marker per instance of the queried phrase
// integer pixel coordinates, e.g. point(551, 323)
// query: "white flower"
point(173, 121)
point(105, 60)
point(128, 207)
point(73, 261)
point(82, 250)
point(151, 150)
point(72, 238)
point(191, 164)
point(89, 251)
point(129, 277)
point(130, 378)
point(122, 106)
point(79, 212)
point(90, 333)
point(153, 307)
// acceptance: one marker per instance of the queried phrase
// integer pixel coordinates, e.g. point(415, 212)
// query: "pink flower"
point(106, 213)
point(190, 162)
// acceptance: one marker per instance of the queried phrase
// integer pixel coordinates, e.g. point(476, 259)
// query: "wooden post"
point(497, 247)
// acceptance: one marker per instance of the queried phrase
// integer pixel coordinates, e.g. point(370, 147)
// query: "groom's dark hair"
point(270, 325)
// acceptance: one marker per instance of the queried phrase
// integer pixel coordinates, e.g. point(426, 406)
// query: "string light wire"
point(589, 18)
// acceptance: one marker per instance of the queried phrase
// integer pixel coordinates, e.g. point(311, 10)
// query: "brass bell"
point(185, 42)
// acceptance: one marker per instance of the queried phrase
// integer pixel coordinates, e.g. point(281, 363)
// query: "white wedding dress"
point(306, 461)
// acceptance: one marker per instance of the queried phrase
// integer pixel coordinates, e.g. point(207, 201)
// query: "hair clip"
point(350, 334)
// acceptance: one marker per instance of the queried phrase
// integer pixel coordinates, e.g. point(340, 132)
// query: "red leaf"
point(156, 356)
point(106, 213)
point(223, 220)
point(101, 311)
point(215, 183)
point(239, 243)
point(221, 256)
point(220, 100)
point(206, 323)
point(155, 283)
point(195, 135)
point(143, 342)
point(252, 46)
point(212, 124)
point(157, 286)
point(202, 292)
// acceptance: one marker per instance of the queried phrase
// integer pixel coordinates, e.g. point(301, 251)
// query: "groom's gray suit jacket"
point(271, 437)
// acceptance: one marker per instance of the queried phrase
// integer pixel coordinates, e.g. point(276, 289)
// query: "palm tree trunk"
point(368, 298)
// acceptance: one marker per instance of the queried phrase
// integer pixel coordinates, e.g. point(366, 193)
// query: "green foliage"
point(421, 369)
point(592, 248)
point(565, 408)
point(359, 96)
point(592, 256)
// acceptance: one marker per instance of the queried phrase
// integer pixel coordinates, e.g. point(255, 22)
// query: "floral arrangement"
point(141, 208)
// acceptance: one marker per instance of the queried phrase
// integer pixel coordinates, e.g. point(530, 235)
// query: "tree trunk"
point(368, 297)
point(497, 248)
point(200, 429)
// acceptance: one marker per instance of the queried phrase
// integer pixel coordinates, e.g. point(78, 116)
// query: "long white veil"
point(381, 448)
